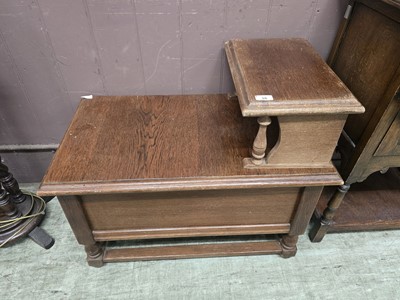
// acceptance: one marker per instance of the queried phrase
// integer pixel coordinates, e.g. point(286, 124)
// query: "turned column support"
point(10, 184)
point(321, 227)
point(260, 142)
point(8, 208)
point(73, 210)
point(289, 245)
point(94, 254)
point(334, 204)
point(15, 204)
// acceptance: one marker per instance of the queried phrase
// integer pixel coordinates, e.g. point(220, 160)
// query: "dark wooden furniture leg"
point(288, 243)
point(321, 227)
point(300, 221)
point(73, 210)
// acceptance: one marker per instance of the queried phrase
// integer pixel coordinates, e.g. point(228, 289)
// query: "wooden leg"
point(72, 208)
point(321, 226)
point(288, 243)
point(308, 201)
point(94, 255)
point(260, 142)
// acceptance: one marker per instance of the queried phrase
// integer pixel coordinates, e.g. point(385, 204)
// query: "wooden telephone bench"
point(162, 167)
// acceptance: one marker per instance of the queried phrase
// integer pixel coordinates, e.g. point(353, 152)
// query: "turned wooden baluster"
point(334, 204)
point(7, 207)
point(10, 184)
point(14, 204)
point(288, 243)
point(319, 230)
point(260, 142)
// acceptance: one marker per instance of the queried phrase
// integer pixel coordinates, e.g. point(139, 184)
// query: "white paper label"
point(89, 97)
point(264, 98)
point(348, 11)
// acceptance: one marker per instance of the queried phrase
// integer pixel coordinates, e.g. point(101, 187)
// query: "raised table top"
point(163, 143)
point(284, 77)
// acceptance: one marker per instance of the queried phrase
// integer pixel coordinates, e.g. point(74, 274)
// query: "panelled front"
point(367, 61)
point(390, 144)
point(191, 213)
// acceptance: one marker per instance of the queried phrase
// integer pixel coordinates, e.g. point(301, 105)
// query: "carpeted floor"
point(344, 266)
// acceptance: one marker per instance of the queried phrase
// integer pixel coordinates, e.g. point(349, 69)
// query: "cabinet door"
point(390, 144)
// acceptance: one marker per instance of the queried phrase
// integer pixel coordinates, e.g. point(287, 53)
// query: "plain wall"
point(54, 51)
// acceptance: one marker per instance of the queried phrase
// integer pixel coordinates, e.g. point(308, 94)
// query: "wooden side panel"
point(72, 208)
point(307, 204)
point(390, 143)
point(296, 146)
point(366, 61)
point(190, 209)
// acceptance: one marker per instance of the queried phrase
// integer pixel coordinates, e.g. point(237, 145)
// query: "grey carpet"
point(344, 266)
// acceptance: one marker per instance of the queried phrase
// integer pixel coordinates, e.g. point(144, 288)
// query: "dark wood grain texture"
point(289, 70)
point(152, 167)
point(389, 145)
point(164, 143)
point(367, 61)
point(366, 58)
point(302, 216)
point(287, 79)
point(192, 209)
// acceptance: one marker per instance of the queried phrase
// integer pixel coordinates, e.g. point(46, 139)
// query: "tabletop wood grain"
point(137, 143)
point(292, 73)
